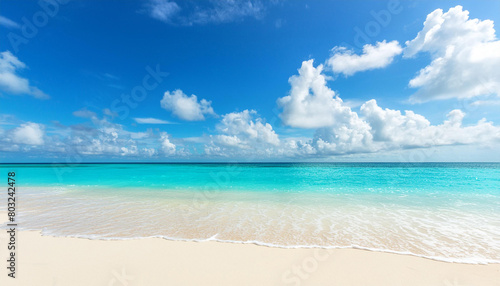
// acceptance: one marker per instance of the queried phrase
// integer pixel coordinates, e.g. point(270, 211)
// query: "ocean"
point(442, 211)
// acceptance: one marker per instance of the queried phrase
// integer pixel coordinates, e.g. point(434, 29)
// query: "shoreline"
point(49, 260)
point(270, 245)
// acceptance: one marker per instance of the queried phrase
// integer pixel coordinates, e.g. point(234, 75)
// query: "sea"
point(442, 211)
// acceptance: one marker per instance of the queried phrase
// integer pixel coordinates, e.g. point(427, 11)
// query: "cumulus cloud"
point(373, 57)
point(28, 133)
point(380, 129)
point(346, 138)
point(11, 82)
point(339, 130)
point(200, 13)
point(101, 138)
point(242, 132)
point(465, 57)
point(96, 137)
point(246, 130)
point(104, 138)
point(167, 147)
point(150, 120)
point(311, 103)
point(186, 107)
point(395, 130)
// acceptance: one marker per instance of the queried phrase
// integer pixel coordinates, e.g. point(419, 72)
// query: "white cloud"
point(342, 131)
point(386, 129)
point(310, 103)
point(126, 151)
point(6, 22)
point(186, 107)
point(295, 148)
point(28, 133)
point(11, 82)
point(373, 57)
point(101, 137)
point(98, 137)
point(150, 120)
point(242, 132)
point(149, 152)
point(163, 10)
point(491, 102)
point(352, 137)
point(224, 11)
point(84, 113)
point(396, 130)
point(199, 13)
point(167, 147)
point(465, 57)
point(246, 130)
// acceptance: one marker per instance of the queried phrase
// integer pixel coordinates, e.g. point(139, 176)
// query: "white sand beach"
point(45, 260)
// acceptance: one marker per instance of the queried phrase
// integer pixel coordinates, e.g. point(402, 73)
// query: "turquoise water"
point(283, 177)
point(446, 211)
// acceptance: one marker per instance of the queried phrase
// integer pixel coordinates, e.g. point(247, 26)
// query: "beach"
point(46, 260)
point(223, 142)
point(254, 224)
point(446, 212)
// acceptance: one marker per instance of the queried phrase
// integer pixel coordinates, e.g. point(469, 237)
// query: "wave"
point(468, 260)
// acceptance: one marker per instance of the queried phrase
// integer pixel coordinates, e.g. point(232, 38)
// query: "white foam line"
point(471, 260)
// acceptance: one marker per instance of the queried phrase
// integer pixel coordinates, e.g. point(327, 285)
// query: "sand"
point(46, 260)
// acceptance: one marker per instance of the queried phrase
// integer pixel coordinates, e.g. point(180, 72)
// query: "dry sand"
point(45, 260)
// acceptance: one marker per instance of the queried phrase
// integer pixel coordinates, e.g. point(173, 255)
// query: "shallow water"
point(445, 211)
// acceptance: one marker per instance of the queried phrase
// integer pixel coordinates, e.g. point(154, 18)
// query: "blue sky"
point(67, 68)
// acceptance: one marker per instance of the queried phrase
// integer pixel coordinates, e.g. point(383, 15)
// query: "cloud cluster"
point(28, 133)
point(186, 107)
point(25, 137)
point(310, 103)
point(200, 13)
point(342, 131)
point(395, 130)
point(102, 137)
point(95, 137)
point(11, 82)
point(99, 137)
point(465, 60)
point(373, 57)
point(465, 57)
point(339, 130)
point(241, 132)
point(167, 146)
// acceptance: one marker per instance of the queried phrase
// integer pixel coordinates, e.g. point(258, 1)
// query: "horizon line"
point(243, 162)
